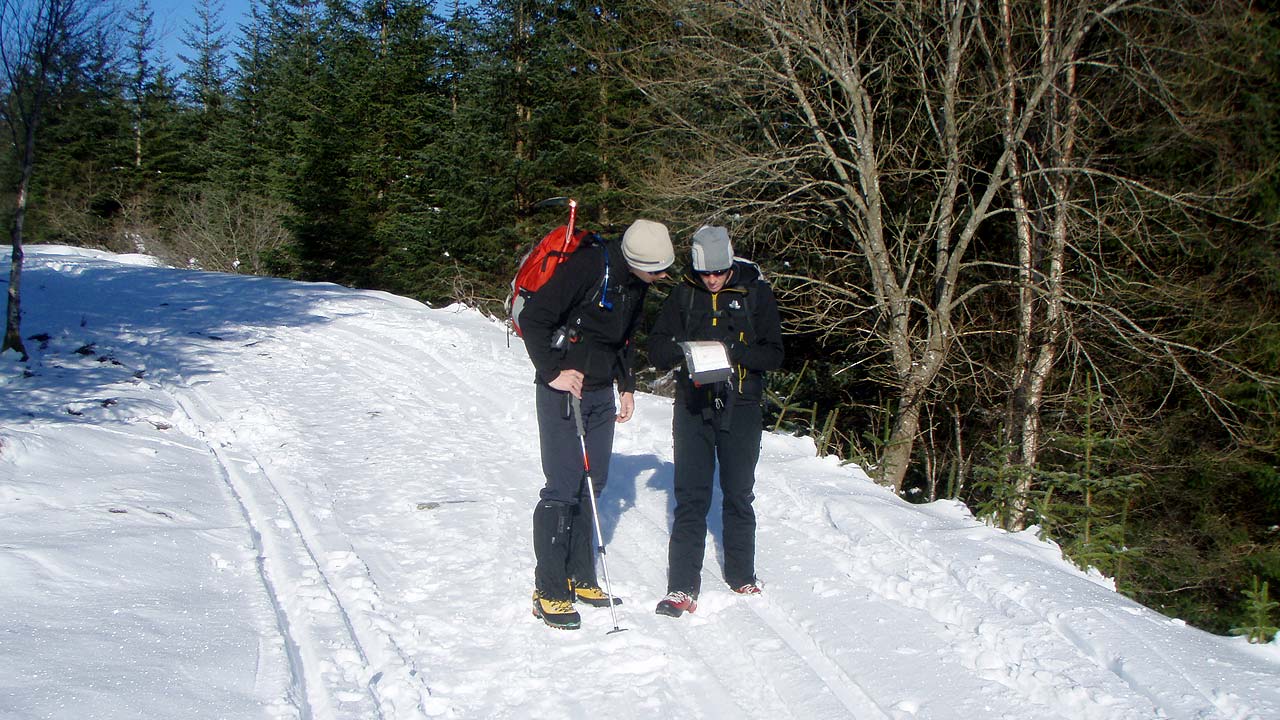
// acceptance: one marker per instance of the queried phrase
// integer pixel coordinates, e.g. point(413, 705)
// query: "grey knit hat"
point(647, 246)
point(712, 251)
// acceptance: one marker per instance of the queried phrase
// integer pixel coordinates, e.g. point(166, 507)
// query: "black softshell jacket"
point(571, 299)
point(743, 315)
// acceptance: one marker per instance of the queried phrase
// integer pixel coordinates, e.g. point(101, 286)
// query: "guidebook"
point(707, 361)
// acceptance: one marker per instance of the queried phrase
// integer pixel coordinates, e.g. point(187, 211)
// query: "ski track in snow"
point(406, 377)
point(346, 662)
point(996, 656)
point(717, 649)
point(344, 654)
point(995, 637)
point(395, 551)
point(725, 675)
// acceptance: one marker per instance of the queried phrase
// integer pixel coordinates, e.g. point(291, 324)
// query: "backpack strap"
point(600, 296)
point(684, 301)
point(603, 292)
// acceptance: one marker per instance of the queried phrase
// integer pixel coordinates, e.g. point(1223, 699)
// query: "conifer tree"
point(86, 157)
point(534, 120)
point(206, 78)
point(143, 69)
point(406, 99)
point(288, 67)
point(240, 151)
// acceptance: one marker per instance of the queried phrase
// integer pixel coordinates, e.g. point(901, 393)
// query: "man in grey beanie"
point(723, 299)
point(577, 331)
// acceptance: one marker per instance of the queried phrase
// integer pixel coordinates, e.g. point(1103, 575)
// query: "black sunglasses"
point(713, 273)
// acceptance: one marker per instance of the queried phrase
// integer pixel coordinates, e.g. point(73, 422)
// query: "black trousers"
point(563, 534)
point(731, 437)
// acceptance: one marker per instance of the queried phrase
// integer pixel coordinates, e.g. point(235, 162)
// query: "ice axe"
point(595, 514)
point(573, 214)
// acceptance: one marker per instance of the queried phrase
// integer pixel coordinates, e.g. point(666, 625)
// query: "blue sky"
point(172, 17)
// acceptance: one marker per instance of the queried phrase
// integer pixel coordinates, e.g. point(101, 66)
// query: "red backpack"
point(540, 263)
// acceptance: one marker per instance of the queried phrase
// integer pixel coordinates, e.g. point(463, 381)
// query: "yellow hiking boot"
point(558, 614)
point(592, 595)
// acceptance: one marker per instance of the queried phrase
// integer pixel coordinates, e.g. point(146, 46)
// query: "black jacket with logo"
point(743, 315)
point(600, 328)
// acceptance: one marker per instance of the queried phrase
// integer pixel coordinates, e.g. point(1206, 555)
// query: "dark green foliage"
point(997, 482)
point(83, 177)
point(1083, 494)
point(1261, 614)
point(207, 82)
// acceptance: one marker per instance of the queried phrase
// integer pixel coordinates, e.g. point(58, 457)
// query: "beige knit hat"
point(647, 246)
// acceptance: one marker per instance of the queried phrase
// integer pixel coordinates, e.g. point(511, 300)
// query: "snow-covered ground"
point(237, 497)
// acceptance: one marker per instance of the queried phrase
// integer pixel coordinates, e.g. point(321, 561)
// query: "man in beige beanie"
point(577, 331)
point(647, 247)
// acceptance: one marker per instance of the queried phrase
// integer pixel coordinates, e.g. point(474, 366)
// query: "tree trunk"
point(31, 46)
point(895, 459)
point(1022, 414)
point(13, 316)
point(604, 144)
point(1041, 264)
point(523, 113)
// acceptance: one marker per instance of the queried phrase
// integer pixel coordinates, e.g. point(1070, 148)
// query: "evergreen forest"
point(1026, 250)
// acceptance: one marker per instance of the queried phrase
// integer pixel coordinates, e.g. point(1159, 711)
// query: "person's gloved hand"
point(735, 349)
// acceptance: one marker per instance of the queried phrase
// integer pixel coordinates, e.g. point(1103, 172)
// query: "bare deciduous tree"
point(1092, 230)
point(38, 39)
point(919, 164)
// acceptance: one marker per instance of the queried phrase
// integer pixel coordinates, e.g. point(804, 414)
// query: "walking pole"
point(595, 515)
